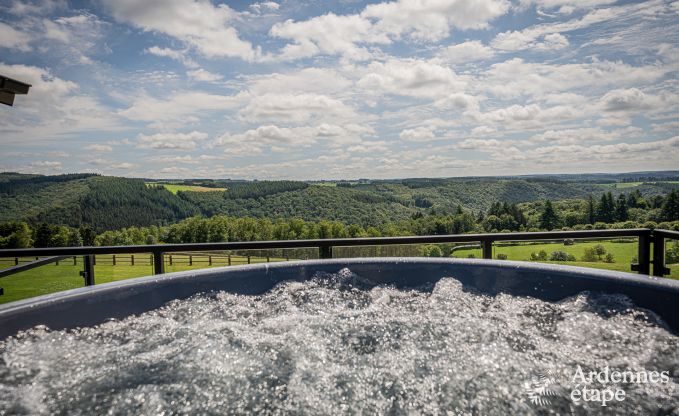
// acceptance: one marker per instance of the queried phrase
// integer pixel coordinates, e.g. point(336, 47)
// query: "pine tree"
point(606, 208)
point(549, 220)
point(670, 207)
point(591, 210)
point(621, 213)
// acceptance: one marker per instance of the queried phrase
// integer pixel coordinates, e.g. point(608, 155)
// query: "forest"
point(107, 203)
point(629, 210)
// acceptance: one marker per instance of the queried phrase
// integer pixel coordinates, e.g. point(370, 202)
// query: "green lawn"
point(174, 188)
point(623, 252)
point(53, 278)
point(624, 185)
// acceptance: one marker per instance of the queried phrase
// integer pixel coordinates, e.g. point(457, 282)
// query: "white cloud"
point(528, 38)
point(282, 139)
point(294, 108)
point(582, 135)
point(328, 34)
point(123, 166)
point(172, 141)
point(432, 20)
point(177, 55)
point(55, 31)
point(265, 6)
point(46, 164)
point(459, 101)
point(626, 100)
point(306, 80)
point(198, 23)
point(469, 51)
point(382, 23)
point(176, 170)
point(39, 7)
point(493, 145)
point(202, 75)
point(411, 77)
point(177, 106)
point(515, 77)
point(13, 39)
point(99, 148)
point(53, 107)
point(660, 151)
point(568, 4)
point(418, 134)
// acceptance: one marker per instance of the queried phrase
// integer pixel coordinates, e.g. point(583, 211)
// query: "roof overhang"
point(9, 88)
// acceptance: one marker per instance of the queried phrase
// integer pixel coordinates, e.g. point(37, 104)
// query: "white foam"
point(334, 345)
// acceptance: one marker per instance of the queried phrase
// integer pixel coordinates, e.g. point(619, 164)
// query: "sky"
point(340, 89)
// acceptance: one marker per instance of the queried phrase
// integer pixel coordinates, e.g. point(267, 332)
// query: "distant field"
point(174, 188)
point(624, 185)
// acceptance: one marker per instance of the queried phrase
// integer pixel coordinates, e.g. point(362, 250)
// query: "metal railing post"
point(644, 254)
point(88, 270)
point(658, 255)
point(325, 252)
point(487, 249)
point(158, 262)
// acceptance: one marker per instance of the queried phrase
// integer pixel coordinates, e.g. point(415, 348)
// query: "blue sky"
point(340, 89)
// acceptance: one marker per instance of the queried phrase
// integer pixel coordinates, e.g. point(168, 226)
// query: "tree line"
point(607, 212)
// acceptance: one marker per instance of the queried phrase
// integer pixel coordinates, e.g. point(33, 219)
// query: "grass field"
point(623, 252)
point(53, 278)
point(624, 185)
point(174, 188)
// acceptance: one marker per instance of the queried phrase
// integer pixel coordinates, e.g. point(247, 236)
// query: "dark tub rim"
point(608, 279)
point(617, 276)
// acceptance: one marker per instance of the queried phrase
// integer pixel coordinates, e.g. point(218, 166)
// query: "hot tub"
point(359, 336)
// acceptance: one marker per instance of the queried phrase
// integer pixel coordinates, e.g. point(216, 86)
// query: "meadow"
point(174, 188)
point(66, 275)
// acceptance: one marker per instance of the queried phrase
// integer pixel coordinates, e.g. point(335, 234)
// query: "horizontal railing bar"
point(32, 265)
point(667, 234)
point(317, 243)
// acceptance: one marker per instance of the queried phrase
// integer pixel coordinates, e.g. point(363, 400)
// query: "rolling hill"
point(108, 203)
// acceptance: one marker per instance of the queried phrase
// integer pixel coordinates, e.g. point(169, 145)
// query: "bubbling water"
point(338, 344)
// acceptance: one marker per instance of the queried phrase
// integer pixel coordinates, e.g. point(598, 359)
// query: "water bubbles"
point(337, 344)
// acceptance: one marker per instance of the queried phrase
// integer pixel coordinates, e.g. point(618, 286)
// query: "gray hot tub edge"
point(95, 304)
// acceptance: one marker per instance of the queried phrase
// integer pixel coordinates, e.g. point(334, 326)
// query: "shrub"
point(432, 251)
point(561, 256)
point(471, 256)
point(539, 256)
point(501, 256)
point(568, 242)
point(600, 250)
point(590, 255)
point(600, 226)
point(609, 258)
point(672, 254)
point(650, 224)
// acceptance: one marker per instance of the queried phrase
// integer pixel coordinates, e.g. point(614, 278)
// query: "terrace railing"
point(325, 247)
